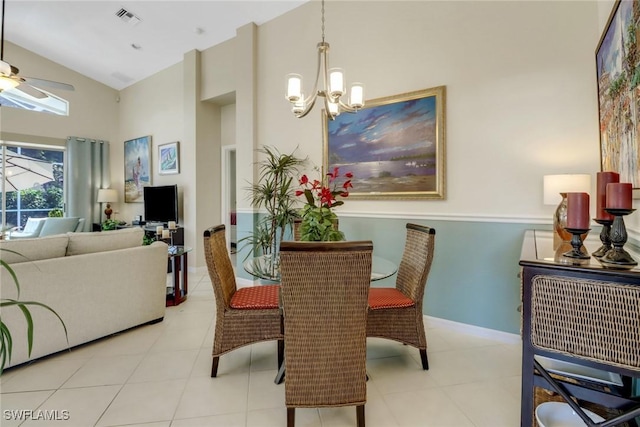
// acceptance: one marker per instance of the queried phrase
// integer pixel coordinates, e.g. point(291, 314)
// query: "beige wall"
point(93, 107)
point(521, 99)
point(521, 90)
point(151, 107)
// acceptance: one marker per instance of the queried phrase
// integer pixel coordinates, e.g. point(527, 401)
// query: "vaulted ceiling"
point(121, 42)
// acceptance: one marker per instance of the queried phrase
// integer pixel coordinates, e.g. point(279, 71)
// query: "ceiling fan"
point(10, 79)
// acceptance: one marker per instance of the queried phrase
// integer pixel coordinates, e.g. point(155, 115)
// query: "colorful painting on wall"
point(618, 70)
point(394, 147)
point(137, 168)
point(168, 158)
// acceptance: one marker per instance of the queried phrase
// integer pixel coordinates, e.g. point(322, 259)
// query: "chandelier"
point(332, 90)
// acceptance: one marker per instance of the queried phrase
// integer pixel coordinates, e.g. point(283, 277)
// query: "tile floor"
point(158, 376)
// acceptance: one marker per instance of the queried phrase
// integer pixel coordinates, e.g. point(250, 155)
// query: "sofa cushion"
point(87, 243)
point(33, 249)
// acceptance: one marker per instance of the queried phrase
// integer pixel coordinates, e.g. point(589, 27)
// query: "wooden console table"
point(584, 314)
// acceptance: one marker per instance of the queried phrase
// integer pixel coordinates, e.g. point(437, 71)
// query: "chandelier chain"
point(322, 21)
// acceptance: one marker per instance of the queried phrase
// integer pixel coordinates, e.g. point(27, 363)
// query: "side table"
point(178, 258)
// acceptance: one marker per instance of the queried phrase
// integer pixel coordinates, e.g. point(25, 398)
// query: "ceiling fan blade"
point(48, 83)
point(32, 91)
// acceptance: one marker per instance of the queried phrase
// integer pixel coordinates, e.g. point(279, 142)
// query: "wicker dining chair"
point(396, 313)
point(324, 289)
point(243, 316)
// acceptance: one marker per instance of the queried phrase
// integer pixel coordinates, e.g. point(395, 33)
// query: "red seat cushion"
point(256, 297)
point(388, 298)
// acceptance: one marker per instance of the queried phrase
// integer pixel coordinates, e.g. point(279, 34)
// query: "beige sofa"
point(99, 284)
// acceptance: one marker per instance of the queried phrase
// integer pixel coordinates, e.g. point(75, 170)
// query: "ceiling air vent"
point(127, 17)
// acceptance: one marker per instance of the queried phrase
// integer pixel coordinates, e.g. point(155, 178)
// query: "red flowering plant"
point(319, 221)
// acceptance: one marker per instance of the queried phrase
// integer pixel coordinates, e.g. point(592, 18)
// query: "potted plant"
point(275, 194)
point(319, 221)
point(55, 213)
point(6, 341)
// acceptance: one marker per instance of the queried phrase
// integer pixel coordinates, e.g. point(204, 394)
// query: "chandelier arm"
point(346, 107)
point(327, 110)
point(308, 108)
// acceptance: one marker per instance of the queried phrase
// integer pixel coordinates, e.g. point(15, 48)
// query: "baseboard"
point(478, 331)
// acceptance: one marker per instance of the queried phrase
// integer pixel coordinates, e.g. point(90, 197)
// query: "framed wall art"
point(169, 158)
point(394, 146)
point(137, 168)
point(618, 71)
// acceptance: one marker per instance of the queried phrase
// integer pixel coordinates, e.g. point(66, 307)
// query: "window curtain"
point(87, 170)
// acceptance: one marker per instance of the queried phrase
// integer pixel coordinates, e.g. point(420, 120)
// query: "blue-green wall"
point(474, 276)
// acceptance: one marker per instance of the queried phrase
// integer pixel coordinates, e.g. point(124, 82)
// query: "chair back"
point(324, 291)
point(297, 222)
point(219, 265)
point(80, 226)
point(33, 226)
point(53, 226)
point(416, 262)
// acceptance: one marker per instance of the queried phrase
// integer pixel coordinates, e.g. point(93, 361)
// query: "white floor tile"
point(159, 376)
point(205, 396)
point(143, 403)
point(429, 407)
point(105, 370)
point(77, 407)
point(160, 366)
point(17, 403)
point(46, 374)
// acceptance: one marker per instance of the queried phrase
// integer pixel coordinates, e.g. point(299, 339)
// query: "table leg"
point(180, 284)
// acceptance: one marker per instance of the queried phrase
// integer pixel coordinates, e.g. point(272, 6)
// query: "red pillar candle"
point(619, 195)
point(578, 211)
point(604, 178)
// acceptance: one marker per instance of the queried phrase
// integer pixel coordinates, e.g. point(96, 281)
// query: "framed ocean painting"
point(137, 168)
point(394, 147)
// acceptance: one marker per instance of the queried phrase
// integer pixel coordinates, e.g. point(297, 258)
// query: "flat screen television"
point(161, 203)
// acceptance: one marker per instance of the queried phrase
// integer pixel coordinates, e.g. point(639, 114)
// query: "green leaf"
point(12, 273)
point(29, 319)
point(7, 345)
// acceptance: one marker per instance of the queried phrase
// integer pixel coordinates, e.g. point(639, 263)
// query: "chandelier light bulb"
point(294, 87)
point(334, 109)
point(356, 99)
point(336, 83)
point(299, 106)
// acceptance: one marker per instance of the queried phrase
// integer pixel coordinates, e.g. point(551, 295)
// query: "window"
point(19, 99)
point(32, 182)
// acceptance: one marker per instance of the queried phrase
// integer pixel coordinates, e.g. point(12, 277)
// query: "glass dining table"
point(264, 268)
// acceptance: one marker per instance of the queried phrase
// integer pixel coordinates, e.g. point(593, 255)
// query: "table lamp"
point(556, 188)
point(108, 196)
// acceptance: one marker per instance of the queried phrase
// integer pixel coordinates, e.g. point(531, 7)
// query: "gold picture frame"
point(617, 65)
point(137, 168)
point(394, 146)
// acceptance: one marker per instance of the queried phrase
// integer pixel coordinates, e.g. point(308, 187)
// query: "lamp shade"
point(564, 183)
point(107, 195)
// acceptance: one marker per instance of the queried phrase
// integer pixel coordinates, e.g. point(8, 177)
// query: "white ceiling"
point(87, 36)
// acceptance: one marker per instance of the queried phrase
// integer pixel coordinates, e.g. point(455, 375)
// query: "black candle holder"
point(576, 242)
point(617, 257)
point(605, 237)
